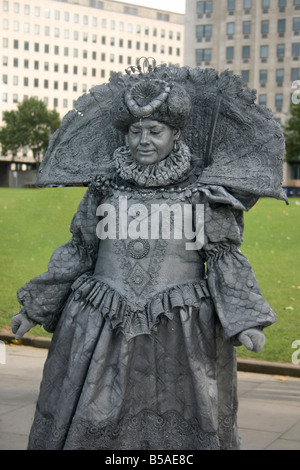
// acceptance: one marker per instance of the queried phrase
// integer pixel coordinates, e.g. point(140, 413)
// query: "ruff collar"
point(167, 171)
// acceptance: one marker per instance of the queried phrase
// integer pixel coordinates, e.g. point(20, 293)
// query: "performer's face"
point(151, 141)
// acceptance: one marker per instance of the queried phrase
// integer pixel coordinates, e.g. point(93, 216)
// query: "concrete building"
point(57, 50)
point(257, 39)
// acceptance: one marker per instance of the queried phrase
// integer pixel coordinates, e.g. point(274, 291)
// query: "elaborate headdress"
point(146, 96)
point(236, 143)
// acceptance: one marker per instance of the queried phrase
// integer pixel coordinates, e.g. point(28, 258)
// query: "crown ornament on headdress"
point(147, 91)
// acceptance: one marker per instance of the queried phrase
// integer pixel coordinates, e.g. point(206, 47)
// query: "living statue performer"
point(145, 326)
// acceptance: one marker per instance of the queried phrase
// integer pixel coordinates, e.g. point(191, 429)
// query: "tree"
point(292, 134)
point(31, 125)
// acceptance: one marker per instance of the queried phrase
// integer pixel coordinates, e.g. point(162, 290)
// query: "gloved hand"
point(253, 339)
point(20, 324)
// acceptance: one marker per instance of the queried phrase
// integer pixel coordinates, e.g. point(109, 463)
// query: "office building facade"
point(56, 50)
point(257, 39)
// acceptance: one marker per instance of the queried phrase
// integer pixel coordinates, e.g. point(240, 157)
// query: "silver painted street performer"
point(145, 327)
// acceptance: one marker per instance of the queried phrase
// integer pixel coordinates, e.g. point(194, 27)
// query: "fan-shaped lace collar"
point(168, 171)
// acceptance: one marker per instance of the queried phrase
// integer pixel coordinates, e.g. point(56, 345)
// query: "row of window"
point(279, 75)
point(207, 6)
point(205, 31)
point(67, 16)
point(67, 33)
point(205, 54)
point(16, 99)
point(17, 26)
point(262, 99)
point(263, 74)
point(112, 42)
point(264, 51)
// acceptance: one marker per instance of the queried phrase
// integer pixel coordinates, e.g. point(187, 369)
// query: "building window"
point(203, 55)
point(36, 82)
point(278, 100)
point(282, 3)
point(46, 66)
point(229, 53)
point(230, 5)
point(245, 76)
point(56, 50)
point(265, 4)
point(204, 7)
point(36, 65)
point(16, 44)
point(296, 24)
point(262, 100)
point(263, 76)
point(246, 27)
point(295, 74)
point(246, 52)
point(264, 52)
point(65, 86)
point(295, 171)
point(296, 49)
point(16, 62)
point(25, 81)
point(203, 31)
point(46, 48)
point(66, 68)
point(56, 67)
point(55, 85)
point(279, 75)
point(75, 69)
point(280, 50)
point(281, 26)
point(46, 83)
point(247, 4)
point(264, 27)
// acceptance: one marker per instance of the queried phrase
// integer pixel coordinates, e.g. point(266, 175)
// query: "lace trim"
point(133, 321)
point(144, 431)
point(168, 171)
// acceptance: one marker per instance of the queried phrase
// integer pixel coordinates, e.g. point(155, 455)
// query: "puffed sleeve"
point(43, 297)
point(234, 289)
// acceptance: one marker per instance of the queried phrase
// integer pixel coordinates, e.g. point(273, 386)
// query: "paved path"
point(269, 405)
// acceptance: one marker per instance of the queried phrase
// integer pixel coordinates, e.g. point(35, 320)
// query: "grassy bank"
point(33, 222)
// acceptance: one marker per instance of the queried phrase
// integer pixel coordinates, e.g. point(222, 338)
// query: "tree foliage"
point(292, 134)
point(30, 125)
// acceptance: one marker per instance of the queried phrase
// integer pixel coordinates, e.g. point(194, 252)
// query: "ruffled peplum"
point(129, 319)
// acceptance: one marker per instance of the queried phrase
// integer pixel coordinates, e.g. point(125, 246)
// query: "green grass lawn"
point(33, 222)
